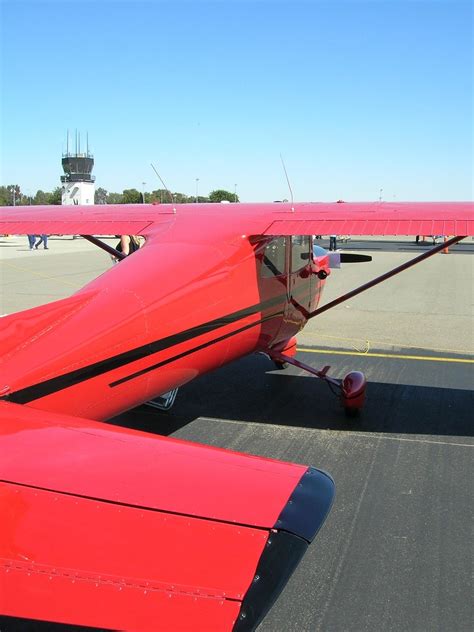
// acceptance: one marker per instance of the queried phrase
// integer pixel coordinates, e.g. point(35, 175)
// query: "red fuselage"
point(174, 310)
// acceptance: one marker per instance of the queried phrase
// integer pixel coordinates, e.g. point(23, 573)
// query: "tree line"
point(12, 195)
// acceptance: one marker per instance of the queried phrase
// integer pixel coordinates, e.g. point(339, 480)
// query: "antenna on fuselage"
point(163, 183)
point(288, 181)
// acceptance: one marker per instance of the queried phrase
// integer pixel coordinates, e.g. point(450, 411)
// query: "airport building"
point(78, 183)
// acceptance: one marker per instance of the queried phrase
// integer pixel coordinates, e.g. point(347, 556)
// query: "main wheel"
point(353, 393)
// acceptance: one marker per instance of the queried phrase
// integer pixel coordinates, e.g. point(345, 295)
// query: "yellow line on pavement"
point(355, 343)
point(396, 356)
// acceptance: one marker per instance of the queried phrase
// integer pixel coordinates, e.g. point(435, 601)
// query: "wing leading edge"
point(112, 528)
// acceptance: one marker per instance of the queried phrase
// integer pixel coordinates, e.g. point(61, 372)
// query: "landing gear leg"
point(351, 388)
point(285, 352)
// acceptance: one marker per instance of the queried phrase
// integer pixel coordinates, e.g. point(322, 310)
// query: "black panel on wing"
point(298, 523)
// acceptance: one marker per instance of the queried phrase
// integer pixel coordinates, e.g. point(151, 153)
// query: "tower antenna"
point(288, 181)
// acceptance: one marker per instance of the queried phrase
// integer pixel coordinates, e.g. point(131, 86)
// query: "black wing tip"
point(308, 506)
point(297, 525)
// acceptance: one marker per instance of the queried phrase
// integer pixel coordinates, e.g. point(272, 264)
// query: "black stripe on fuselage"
point(42, 389)
point(193, 350)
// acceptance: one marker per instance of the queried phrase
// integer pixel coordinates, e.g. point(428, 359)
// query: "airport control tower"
point(77, 182)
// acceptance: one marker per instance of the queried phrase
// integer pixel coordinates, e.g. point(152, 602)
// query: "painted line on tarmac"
point(356, 343)
point(334, 433)
point(396, 356)
point(44, 277)
point(452, 443)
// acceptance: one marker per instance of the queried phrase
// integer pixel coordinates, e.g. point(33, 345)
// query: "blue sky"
point(357, 96)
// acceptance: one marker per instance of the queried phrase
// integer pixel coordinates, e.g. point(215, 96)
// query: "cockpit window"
point(300, 251)
point(273, 263)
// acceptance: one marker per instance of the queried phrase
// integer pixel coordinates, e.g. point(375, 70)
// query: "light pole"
point(143, 192)
point(197, 184)
point(235, 193)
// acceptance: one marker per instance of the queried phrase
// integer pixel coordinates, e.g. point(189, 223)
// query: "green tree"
point(5, 196)
point(180, 198)
point(160, 195)
point(41, 197)
point(221, 195)
point(131, 196)
point(27, 200)
point(100, 196)
point(115, 198)
point(14, 194)
point(55, 197)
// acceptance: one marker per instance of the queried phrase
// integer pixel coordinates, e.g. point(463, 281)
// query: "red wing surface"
point(351, 218)
point(405, 218)
point(112, 528)
point(110, 219)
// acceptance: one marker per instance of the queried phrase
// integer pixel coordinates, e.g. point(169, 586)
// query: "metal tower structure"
point(77, 182)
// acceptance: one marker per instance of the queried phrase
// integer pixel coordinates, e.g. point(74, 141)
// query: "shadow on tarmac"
point(250, 391)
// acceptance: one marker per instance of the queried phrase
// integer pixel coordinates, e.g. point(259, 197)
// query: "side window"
point(300, 251)
point(273, 262)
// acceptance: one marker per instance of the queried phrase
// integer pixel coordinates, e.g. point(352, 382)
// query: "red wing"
point(107, 527)
point(381, 218)
point(113, 219)
point(355, 218)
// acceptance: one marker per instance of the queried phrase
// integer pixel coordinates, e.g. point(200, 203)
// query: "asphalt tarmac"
point(395, 553)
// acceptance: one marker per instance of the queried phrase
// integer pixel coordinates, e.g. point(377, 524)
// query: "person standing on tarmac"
point(130, 244)
point(42, 240)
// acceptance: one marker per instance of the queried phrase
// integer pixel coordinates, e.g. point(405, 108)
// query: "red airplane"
point(119, 529)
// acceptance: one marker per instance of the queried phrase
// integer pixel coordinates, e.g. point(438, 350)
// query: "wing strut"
point(387, 275)
point(104, 246)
